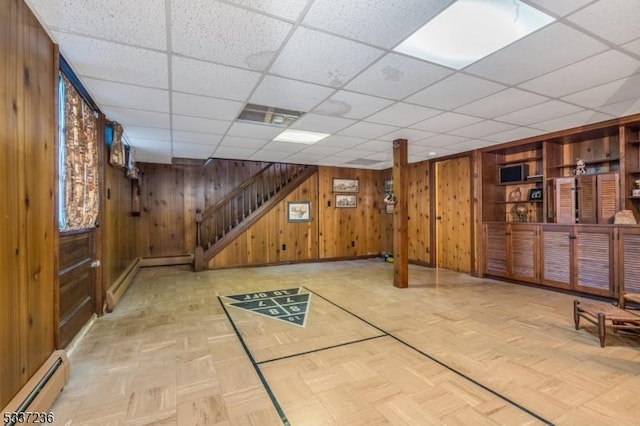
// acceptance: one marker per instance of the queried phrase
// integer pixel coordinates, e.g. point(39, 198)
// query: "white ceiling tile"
point(573, 120)
point(446, 122)
point(284, 146)
point(226, 34)
point(243, 142)
point(334, 160)
point(513, 134)
point(193, 147)
point(265, 155)
point(367, 130)
point(303, 158)
point(471, 144)
point(289, 94)
point(441, 141)
point(322, 58)
point(196, 138)
point(155, 156)
point(611, 19)
point(287, 9)
point(132, 117)
point(255, 131)
point(616, 91)
point(204, 78)
point(540, 112)
point(147, 133)
point(396, 77)
point(560, 8)
point(140, 23)
point(381, 23)
point(623, 108)
point(481, 129)
point(205, 107)
point(108, 93)
point(501, 103)
point(233, 152)
point(455, 90)
point(340, 141)
point(150, 144)
point(537, 54)
point(351, 105)
point(600, 69)
point(190, 155)
point(402, 114)
point(412, 135)
point(201, 125)
point(321, 123)
point(350, 154)
point(376, 146)
point(320, 150)
point(113, 61)
point(633, 46)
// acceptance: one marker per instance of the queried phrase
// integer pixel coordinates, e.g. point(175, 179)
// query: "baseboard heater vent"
point(39, 393)
point(115, 292)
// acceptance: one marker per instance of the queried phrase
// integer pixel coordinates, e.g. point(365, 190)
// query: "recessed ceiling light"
point(268, 115)
point(300, 136)
point(469, 30)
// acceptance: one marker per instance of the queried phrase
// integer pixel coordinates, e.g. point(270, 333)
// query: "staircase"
point(221, 223)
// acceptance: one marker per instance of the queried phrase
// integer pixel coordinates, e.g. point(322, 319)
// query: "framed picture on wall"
point(299, 211)
point(388, 208)
point(346, 201)
point(345, 185)
point(388, 185)
point(535, 194)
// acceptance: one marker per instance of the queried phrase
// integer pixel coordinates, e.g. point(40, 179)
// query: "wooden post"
point(400, 218)
point(198, 255)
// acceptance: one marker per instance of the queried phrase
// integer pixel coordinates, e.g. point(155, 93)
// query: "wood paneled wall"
point(419, 227)
point(28, 60)
point(222, 176)
point(272, 239)
point(119, 225)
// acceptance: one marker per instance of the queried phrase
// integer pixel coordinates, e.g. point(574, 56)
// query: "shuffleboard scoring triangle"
point(286, 305)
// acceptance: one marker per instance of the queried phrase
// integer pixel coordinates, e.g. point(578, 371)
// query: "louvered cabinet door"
point(587, 199)
point(556, 255)
point(594, 248)
point(523, 252)
point(629, 254)
point(496, 238)
point(608, 197)
point(565, 201)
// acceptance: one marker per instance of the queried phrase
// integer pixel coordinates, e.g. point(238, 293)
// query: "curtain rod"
point(73, 78)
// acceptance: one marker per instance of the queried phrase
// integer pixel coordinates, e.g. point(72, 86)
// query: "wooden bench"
point(599, 313)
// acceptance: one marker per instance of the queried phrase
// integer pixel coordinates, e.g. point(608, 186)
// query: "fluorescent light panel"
point(300, 136)
point(469, 30)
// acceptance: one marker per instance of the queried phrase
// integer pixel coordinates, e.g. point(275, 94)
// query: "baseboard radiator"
point(115, 292)
point(39, 393)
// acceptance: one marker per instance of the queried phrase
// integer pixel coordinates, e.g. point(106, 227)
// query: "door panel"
point(523, 252)
point(453, 214)
point(594, 260)
point(495, 247)
point(556, 256)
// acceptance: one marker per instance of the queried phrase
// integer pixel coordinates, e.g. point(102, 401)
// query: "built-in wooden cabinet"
point(585, 199)
point(629, 254)
point(511, 251)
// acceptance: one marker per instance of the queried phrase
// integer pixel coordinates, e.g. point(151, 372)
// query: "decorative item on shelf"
point(519, 213)
point(535, 194)
point(624, 217)
point(515, 195)
point(635, 192)
point(581, 167)
point(390, 201)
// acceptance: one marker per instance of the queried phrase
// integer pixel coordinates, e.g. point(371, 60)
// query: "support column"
point(400, 218)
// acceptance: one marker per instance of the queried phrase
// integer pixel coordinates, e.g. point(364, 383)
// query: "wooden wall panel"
point(263, 242)
point(27, 171)
point(349, 232)
point(419, 212)
point(119, 225)
point(222, 176)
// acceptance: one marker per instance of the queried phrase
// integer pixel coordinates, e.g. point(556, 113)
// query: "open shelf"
point(589, 162)
point(520, 202)
point(522, 160)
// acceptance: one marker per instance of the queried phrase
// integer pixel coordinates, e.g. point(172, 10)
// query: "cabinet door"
point(556, 255)
point(594, 248)
point(523, 252)
point(587, 199)
point(496, 238)
point(629, 255)
point(565, 200)
point(608, 197)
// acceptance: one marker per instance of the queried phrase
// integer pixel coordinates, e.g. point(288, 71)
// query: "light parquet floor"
point(450, 349)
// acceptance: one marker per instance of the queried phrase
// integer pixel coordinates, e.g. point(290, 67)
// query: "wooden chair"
point(599, 313)
point(629, 297)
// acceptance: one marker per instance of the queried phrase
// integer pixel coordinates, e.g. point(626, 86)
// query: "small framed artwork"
point(345, 185)
point(346, 201)
point(299, 211)
point(388, 208)
point(388, 185)
point(535, 194)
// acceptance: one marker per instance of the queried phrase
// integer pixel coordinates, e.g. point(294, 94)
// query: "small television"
point(513, 173)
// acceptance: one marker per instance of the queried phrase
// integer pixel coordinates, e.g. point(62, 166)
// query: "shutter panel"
point(556, 257)
point(593, 256)
point(523, 250)
point(565, 200)
point(496, 240)
point(587, 199)
point(608, 197)
point(631, 260)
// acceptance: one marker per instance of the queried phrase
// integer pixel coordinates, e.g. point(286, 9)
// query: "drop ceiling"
point(177, 73)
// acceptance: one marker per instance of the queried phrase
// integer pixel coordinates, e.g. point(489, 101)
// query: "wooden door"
point(76, 284)
point(453, 214)
point(629, 259)
point(496, 238)
point(565, 201)
point(587, 199)
point(594, 248)
point(523, 250)
point(608, 197)
point(556, 255)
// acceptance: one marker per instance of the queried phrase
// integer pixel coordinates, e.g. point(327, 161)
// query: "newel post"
point(198, 258)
